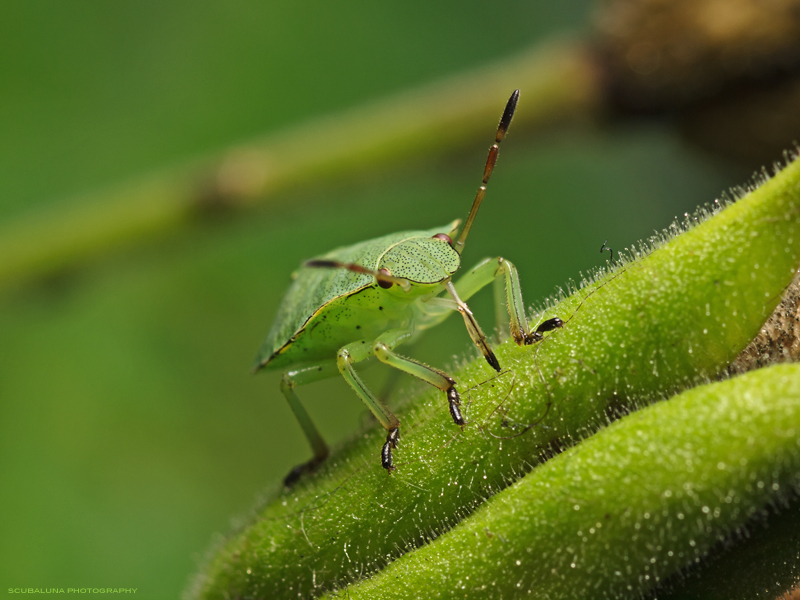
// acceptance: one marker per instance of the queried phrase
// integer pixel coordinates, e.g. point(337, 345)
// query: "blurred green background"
point(130, 428)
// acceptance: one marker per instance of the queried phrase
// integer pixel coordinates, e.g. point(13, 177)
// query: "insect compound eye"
point(443, 236)
point(383, 283)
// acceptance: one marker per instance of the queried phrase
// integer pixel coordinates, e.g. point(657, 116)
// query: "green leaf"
point(664, 322)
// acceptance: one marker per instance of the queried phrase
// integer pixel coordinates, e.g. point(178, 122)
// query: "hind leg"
point(383, 349)
point(290, 380)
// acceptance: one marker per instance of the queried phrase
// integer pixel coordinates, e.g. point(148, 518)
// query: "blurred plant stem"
point(558, 81)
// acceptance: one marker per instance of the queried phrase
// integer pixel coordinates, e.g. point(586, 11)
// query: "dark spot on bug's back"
point(358, 326)
point(380, 308)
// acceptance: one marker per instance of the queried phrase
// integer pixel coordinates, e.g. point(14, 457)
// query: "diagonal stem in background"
point(559, 81)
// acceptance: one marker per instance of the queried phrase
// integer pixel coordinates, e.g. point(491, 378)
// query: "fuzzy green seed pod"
point(618, 513)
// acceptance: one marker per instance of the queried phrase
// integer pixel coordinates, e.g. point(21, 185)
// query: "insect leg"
point(290, 380)
point(347, 356)
point(383, 350)
point(490, 270)
point(473, 328)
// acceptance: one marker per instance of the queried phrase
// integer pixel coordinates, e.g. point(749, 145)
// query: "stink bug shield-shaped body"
point(365, 300)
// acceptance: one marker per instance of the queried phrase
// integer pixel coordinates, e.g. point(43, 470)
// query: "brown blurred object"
point(779, 338)
point(726, 71)
point(730, 69)
point(751, 125)
point(793, 594)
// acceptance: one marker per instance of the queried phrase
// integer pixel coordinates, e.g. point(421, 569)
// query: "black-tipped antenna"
point(505, 121)
point(382, 276)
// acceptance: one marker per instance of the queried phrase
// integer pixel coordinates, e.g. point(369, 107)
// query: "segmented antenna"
point(382, 275)
point(505, 121)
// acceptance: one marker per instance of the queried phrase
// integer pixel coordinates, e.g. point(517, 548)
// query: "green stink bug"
point(364, 300)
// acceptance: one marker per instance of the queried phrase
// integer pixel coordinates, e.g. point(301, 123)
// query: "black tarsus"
point(454, 401)
point(550, 325)
point(386, 451)
point(300, 470)
point(531, 338)
point(293, 476)
point(492, 360)
point(545, 326)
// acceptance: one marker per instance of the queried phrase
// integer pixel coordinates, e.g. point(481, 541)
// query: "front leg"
point(491, 270)
point(474, 330)
point(347, 356)
point(383, 349)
